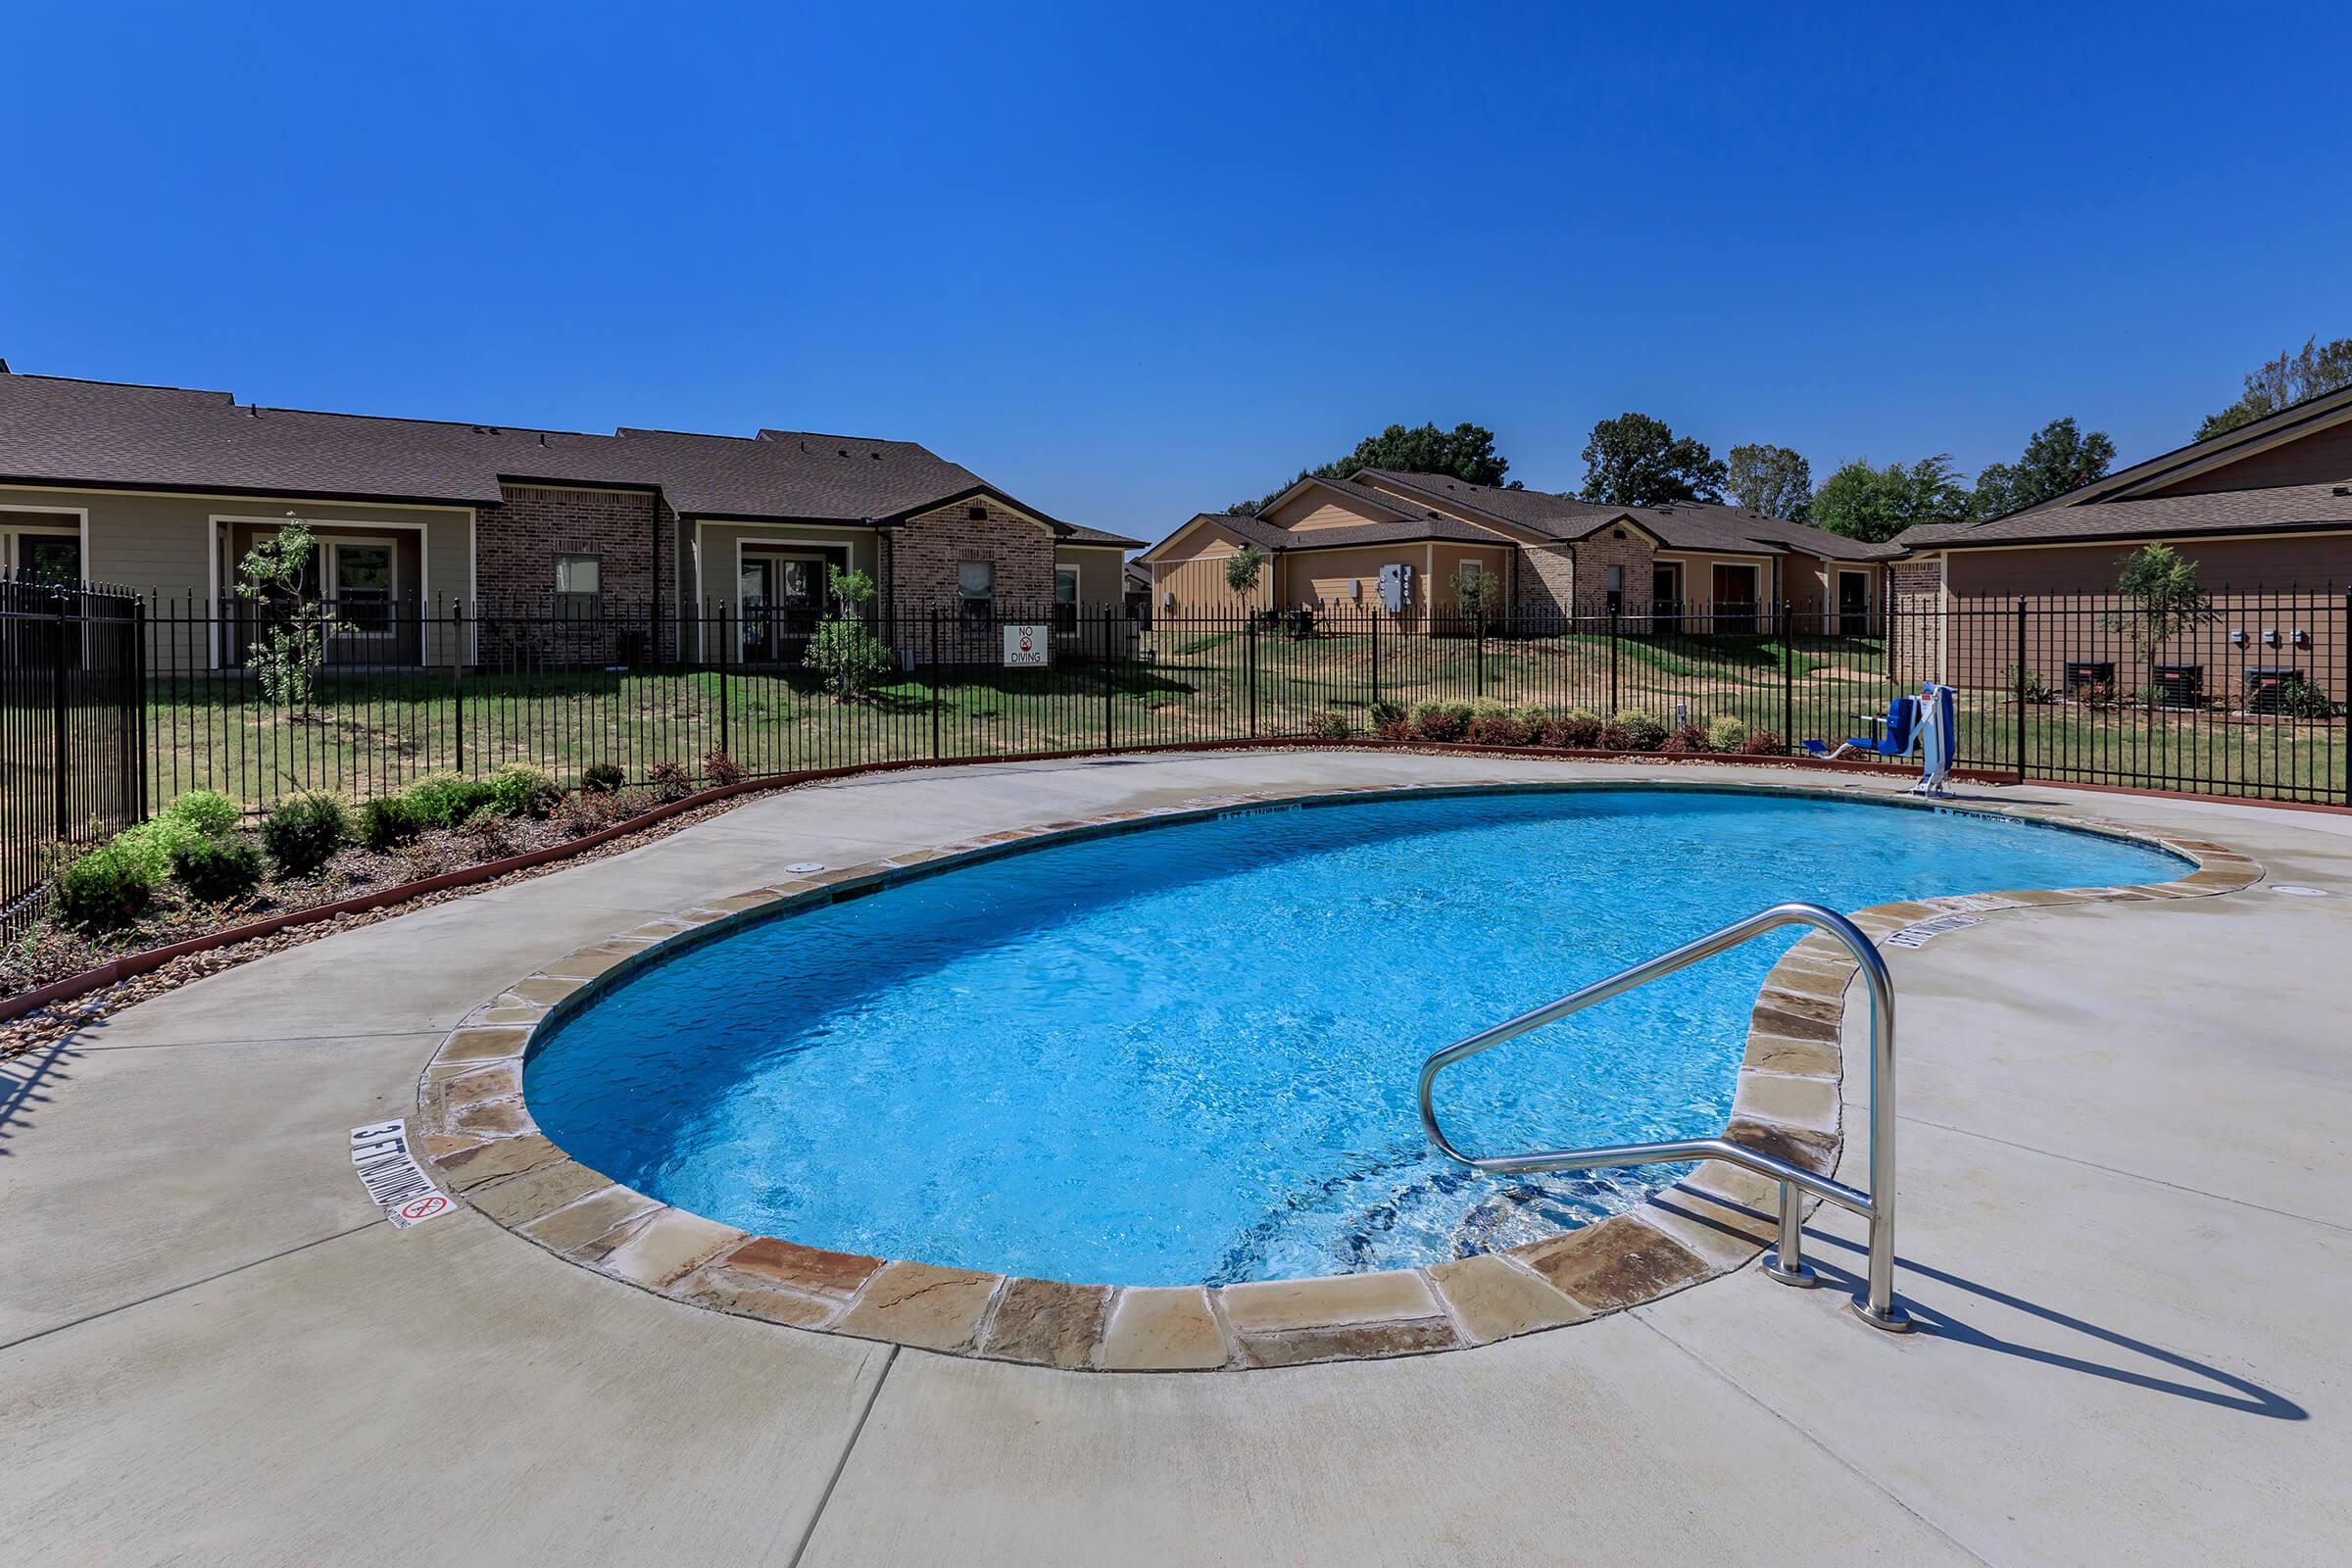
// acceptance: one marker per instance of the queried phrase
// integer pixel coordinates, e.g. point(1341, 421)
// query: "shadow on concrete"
point(23, 1081)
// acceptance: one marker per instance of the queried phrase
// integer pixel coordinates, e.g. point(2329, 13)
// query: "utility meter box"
point(1395, 587)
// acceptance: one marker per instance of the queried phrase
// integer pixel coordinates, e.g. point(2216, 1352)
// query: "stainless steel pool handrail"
point(1876, 1306)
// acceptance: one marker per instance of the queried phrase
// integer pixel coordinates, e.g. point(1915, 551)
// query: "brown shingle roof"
point(1693, 525)
point(2278, 509)
point(59, 432)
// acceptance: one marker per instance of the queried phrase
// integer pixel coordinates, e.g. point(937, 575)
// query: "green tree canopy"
point(1242, 568)
point(1466, 452)
point(1772, 481)
point(2059, 458)
point(1636, 460)
point(1875, 505)
point(2310, 370)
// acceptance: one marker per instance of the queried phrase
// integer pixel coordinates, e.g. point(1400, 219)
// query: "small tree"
point(845, 650)
point(2166, 602)
point(1242, 569)
point(1477, 593)
point(286, 656)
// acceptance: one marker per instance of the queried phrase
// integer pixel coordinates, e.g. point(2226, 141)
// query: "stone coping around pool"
point(476, 1131)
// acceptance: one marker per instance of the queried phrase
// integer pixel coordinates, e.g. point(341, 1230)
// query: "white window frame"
point(596, 608)
point(12, 538)
point(330, 551)
point(1063, 569)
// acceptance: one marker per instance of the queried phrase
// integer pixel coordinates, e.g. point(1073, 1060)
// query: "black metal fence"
point(71, 713)
point(115, 706)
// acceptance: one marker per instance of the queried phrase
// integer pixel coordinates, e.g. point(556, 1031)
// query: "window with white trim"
point(1066, 599)
point(362, 575)
point(579, 587)
point(976, 593)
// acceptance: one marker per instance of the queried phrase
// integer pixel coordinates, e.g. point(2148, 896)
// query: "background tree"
point(2059, 458)
point(2310, 370)
point(1875, 505)
point(1466, 452)
point(1636, 460)
point(1771, 480)
point(1242, 569)
point(2166, 601)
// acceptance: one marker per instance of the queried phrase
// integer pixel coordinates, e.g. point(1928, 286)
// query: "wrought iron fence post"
point(1614, 634)
point(57, 719)
point(1109, 681)
point(2343, 647)
point(702, 656)
point(1253, 624)
point(1787, 673)
point(138, 707)
point(935, 750)
point(1375, 661)
point(2018, 691)
point(457, 672)
point(1482, 653)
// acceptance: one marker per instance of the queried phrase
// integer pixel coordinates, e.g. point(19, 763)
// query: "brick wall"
point(1547, 583)
point(1596, 555)
point(1915, 596)
point(927, 549)
point(517, 541)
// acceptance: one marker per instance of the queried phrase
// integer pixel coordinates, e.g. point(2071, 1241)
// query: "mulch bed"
point(49, 953)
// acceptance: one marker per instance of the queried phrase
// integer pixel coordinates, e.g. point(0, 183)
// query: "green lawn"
point(374, 733)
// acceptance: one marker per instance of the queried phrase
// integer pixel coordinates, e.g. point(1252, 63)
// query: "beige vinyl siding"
point(2324, 456)
point(1102, 570)
point(2274, 562)
point(721, 546)
point(171, 546)
point(1192, 568)
point(1332, 577)
point(1318, 508)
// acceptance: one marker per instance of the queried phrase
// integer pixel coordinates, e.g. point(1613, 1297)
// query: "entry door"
point(753, 599)
point(1734, 598)
point(783, 598)
point(1853, 604)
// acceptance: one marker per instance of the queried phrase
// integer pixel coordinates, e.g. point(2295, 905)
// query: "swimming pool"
point(1187, 1055)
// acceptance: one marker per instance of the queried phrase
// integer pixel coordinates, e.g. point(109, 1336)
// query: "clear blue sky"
point(1131, 262)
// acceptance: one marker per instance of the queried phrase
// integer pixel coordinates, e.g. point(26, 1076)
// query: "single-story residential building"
point(725, 538)
point(2265, 510)
point(1328, 541)
point(2264, 507)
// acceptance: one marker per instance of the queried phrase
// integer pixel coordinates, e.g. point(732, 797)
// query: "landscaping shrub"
point(670, 782)
point(1686, 739)
point(1396, 727)
point(1613, 737)
point(1637, 731)
point(1383, 712)
point(1498, 729)
point(445, 799)
point(206, 810)
point(305, 830)
point(1726, 734)
point(1764, 742)
point(389, 821)
point(152, 842)
point(111, 886)
point(720, 769)
point(1576, 729)
point(520, 790)
point(1442, 722)
point(1332, 725)
point(2300, 697)
point(603, 778)
point(489, 833)
point(218, 867)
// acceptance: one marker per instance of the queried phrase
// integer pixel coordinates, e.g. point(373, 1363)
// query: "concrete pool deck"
point(2125, 1223)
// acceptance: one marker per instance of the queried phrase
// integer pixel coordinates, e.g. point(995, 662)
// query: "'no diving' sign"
point(379, 1155)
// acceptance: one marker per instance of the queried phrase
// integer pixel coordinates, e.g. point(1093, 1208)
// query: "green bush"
point(1332, 725)
point(109, 887)
point(603, 778)
point(670, 782)
point(445, 799)
point(217, 866)
point(2300, 697)
point(1637, 731)
point(153, 843)
point(851, 658)
point(389, 821)
point(206, 810)
point(1726, 734)
point(305, 830)
point(1384, 712)
point(1442, 722)
point(520, 790)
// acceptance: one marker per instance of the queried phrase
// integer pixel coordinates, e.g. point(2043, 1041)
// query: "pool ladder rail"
point(1877, 1304)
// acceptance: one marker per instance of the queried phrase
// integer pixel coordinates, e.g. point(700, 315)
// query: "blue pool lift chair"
point(1894, 739)
point(1938, 738)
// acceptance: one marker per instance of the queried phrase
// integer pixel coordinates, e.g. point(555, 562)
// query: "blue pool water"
point(1187, 1053)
